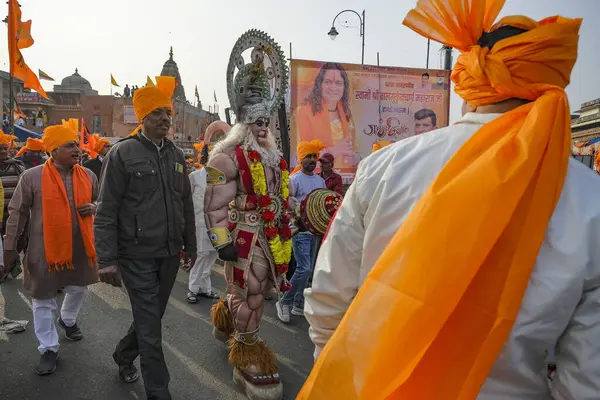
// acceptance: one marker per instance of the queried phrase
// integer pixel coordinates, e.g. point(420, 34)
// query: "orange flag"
point(87, 142)
point(24, 38)
point(19, 37)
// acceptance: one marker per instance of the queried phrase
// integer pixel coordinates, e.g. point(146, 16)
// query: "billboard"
point(349, 107)
point(129, 115)
point(30, 97)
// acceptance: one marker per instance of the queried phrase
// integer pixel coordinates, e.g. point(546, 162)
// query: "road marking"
point(278, 324)
point(291, 365)
point(134, 395)
point(203, 376)
point(25, 299)
point(219, 269)
point(185, 309)
point(116, 298)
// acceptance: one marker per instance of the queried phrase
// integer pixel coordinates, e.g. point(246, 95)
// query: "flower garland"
point(278, 233)
point(258, 174)
point(285, 180)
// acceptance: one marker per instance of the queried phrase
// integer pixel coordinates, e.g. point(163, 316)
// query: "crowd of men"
point(48, 180)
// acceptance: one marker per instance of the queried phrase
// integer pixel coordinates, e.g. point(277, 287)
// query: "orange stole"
point(56, 216)
point(318, 127)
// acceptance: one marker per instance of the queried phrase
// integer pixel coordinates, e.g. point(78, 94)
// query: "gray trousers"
point(149, 283)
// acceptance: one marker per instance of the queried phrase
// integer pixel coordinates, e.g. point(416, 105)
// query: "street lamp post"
point(333, 32)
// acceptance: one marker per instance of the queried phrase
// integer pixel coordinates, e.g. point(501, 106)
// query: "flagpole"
point(10, 79)
point(11, 117)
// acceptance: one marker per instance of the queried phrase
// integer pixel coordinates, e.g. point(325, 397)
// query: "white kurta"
point(561, 305)
point(198, 186)
point(200, 273)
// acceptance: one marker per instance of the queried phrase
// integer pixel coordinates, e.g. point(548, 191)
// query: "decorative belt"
point(251, 218)
point(249, 338)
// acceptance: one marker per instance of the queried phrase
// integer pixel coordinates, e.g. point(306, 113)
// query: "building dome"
point(171, 69)
point(75, 83)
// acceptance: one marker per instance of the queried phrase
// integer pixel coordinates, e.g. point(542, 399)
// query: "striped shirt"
point(10, 172)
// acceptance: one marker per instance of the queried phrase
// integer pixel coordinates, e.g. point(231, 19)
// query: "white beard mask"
point(241, 135)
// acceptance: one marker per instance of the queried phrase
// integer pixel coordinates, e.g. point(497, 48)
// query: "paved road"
point(197, 363)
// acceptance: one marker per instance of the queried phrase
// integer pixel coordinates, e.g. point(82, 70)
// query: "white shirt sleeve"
point(337, 271)
point(578, 349)
point(198, 187)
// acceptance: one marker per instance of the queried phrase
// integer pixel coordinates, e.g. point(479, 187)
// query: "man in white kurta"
point(561, 305)
point(199, 284)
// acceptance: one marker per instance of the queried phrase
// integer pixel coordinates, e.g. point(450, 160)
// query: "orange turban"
point(304, 149)
point(448, 287)
point(200, 146)
point(380, 145)
point(99, 143)
point(71, 123)
point(6, 139)
point(57, 135)
point(149, 98)
point(32, 144)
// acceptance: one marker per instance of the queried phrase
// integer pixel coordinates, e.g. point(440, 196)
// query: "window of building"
point(96, 124)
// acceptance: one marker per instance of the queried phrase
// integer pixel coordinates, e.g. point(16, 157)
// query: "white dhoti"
point(200, 272)
point(44, 319)
point(207, 255)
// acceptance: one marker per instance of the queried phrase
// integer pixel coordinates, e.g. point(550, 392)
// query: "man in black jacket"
point(145, 217)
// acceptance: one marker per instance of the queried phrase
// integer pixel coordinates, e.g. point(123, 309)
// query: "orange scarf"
point(56, 217)
point(436, 309)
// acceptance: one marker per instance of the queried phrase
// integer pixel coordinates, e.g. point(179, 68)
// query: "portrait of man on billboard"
point(425, 81)
point(425, 121)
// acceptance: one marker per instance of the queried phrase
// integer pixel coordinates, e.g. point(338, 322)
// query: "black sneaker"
point(72, 333)
point(47, 363)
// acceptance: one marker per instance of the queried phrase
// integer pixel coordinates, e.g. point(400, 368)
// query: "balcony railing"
point(591, 103)
point(588, 118)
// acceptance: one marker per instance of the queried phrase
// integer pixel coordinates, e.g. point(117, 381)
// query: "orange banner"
point(350, 107)
point(25, 39)
point(19, 37)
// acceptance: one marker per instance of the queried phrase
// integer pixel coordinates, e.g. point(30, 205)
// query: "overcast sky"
point(131, 38)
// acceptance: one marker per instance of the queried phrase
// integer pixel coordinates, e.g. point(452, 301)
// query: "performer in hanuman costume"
point(247, 212)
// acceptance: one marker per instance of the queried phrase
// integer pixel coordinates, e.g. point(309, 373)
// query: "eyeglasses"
point(260, 123)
